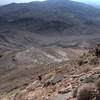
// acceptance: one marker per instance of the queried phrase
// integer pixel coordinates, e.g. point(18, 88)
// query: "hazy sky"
point(97, 2)
point(16, 1)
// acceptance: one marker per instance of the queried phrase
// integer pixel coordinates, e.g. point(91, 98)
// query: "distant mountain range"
point(52, 22)
point(97, 6)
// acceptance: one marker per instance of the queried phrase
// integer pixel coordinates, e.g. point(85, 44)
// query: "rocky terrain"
point(64, 73)
point(22, 66)
point(47, 51)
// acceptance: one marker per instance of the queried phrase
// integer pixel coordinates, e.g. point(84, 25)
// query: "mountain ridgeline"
point(52, 22)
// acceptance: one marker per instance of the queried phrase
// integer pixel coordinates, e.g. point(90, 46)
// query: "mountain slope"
point(47, 23)
point(61, 79)
point(22, 66)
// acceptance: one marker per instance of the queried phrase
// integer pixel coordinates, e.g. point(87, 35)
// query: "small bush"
point(87, 92)
point(80, 62)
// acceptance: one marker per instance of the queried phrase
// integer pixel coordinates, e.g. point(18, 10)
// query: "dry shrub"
point(80, 62)
point(87, 92)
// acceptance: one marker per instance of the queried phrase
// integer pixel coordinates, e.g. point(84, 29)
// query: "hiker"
point(40, 77)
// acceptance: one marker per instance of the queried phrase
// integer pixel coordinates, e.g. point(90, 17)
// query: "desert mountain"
point(43, 51)
point(52, 22)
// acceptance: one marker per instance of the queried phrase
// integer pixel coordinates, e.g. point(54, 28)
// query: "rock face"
point(57, 79)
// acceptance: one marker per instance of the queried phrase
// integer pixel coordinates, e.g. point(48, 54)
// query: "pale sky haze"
point(2, 2)
point(95, 2)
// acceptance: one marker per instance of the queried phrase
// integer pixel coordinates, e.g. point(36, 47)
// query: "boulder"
point(56, 79)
